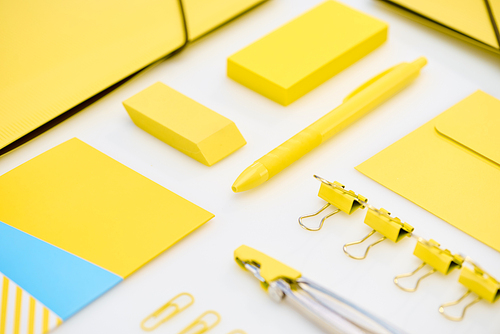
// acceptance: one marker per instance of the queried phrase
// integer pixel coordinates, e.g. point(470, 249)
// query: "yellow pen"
point(355, 105)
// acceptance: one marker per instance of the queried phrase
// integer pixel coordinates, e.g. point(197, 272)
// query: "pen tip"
point(421, 62)
point(251, 177)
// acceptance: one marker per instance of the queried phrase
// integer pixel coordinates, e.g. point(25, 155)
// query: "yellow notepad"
point(450, 166)
point(82, 201)
point(302, 54)
point(56, 54)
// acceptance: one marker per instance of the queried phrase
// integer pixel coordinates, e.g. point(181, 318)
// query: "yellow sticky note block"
point(184, 124)
point(480, 283)
point(82, 201)
point(441, 260)
point(391, 228)
point(336, 195)
point(307, 51)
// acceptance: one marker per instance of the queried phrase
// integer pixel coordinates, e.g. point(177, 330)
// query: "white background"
point(266, 217)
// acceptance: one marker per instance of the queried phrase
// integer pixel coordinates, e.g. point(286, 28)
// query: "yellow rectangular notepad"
point(307, 51)
point(450, 166)
point(56, 54)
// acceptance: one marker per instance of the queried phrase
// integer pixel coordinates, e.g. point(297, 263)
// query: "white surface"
point(266, 218)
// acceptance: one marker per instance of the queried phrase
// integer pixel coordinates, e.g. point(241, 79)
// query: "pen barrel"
point(290, 151)
point(366, 100)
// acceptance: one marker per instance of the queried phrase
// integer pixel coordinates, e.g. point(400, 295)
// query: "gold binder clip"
point(335, 194)
point(430, 253)
point(476, 281)
point(173, 305)
point(203, 323)
point(381, 221)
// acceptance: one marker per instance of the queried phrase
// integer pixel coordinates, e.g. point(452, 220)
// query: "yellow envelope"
point(450, 166)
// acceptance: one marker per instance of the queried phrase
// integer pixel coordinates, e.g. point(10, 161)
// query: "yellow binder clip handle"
point(334, 194)
point(476, 281)
point(440, 260)
point(381, 221)
point(173, 307)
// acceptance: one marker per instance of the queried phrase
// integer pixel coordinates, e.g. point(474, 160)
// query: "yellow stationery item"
point(381, 221)
point(203, 323)
point(173, 307)
point(334, 194)
point(307, 51)
point(355, 105)
point(477, 281)
point(184, 124)
point(440, 260)
point(334, 313)
point(56, 54)
point(476, 21)
point(437, 165)
point(82, 201)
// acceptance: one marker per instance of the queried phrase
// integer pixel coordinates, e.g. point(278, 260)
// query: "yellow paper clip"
point(477, 281)
point(205, 322)
point(173, 305)
point(430, 253)
point(335, 194)
point(237, 331)
point(381, 221)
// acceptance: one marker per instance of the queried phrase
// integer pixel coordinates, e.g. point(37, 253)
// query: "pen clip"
point(370, 82)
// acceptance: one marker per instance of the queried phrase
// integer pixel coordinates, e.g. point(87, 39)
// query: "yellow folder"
point(450, 166)
point(55, 54)
point(476, 21)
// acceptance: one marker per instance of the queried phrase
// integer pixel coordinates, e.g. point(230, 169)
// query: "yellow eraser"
point(299, 56)
point(184, 124)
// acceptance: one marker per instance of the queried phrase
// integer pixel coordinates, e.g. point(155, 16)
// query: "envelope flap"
point(474, 123)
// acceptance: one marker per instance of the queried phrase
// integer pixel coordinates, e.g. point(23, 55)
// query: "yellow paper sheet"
point(55, 54)
point(450, 166)
point(82, 201)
